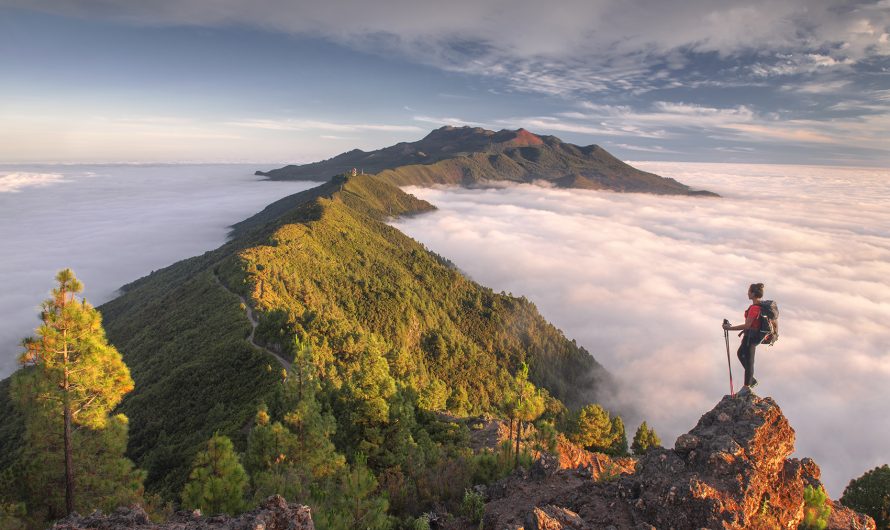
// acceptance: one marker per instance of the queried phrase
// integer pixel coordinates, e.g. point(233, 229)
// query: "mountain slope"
point(324, 266)
point(473, 156)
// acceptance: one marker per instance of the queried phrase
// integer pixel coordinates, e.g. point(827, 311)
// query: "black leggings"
point(746, 356)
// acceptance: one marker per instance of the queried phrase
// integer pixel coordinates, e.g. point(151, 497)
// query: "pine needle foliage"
point(816, 510)
point(217, 483)
point(645, 439)
point(596, 430)
point(72, 379)
point(870, 494)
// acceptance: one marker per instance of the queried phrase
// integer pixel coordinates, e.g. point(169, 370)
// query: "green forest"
point(391, 355)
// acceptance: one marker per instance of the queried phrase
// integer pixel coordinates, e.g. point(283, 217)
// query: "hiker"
point(750, 333)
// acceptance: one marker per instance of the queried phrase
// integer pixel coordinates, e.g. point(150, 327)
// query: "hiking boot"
point(744, 391)
point(753, 383)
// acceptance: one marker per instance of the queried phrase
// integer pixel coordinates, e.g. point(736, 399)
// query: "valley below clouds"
point(644, 282)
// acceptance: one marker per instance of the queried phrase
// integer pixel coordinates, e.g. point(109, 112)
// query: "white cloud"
point(16, 181)
point(646, 148)
point(456, 122)
point(319, 125)
point(643, 282)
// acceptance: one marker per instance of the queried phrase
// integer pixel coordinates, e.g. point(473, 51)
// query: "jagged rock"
point(589, 464)
point(273, 514)
point(732, 471)
point(553, 518)
point(547, 464)
point(843, 518)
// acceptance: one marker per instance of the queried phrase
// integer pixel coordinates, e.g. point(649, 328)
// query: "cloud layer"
point(111, 225)
point(834, 31)
point(785, 80)
point(644, 282)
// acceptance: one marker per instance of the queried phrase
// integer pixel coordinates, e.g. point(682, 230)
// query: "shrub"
point(421, 523)
point(816, 511)
point(473, 506)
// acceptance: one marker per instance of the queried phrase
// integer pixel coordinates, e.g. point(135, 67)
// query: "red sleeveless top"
point(754, 312)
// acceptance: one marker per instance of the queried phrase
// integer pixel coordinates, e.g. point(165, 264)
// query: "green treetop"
point(645, 439)
point(870, 494)
point(289, 457)
point(217, 481)
point(525, 404)
point(619, 445)
point(73, 377)
point(354, 504)
point(595, 429)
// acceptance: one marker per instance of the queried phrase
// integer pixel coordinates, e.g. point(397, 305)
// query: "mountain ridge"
point(323, 266)
point(473, 156)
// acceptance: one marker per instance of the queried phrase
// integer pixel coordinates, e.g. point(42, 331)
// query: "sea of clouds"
point(644, 282)
point(641, 281)
point(111, 225)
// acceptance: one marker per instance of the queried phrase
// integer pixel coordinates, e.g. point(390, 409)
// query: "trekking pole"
point(728, 362)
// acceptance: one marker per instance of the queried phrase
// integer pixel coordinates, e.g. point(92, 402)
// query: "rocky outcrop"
point(573, 456)
point(732, 471)
point(273, 514)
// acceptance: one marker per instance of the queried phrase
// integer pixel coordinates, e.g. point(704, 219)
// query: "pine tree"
point(594, 429)
point(645, 439)
point(619, 445)
point(353, 505)
point(434, 395)
point(529, 404)
point(364, 401)
point(73, 378)
point(289, 457)
point(217, 481)
point(870, 494)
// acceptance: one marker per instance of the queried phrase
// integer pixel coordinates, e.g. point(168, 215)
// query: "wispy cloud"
point(456, 122)
point(646, 148)
point(310, 125)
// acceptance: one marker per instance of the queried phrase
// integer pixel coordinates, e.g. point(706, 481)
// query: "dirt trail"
point(254, 322)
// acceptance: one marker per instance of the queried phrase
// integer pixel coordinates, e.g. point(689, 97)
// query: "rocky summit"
point(732, 471)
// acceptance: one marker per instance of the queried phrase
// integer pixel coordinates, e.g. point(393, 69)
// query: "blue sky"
point(781, 81)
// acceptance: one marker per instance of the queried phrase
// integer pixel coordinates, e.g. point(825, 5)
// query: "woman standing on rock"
point(750, 334)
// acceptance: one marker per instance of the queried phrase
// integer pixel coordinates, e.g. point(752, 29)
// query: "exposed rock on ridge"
point(274, 514)
point(731, 471)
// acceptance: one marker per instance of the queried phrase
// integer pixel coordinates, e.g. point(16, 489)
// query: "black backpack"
point(769, 322)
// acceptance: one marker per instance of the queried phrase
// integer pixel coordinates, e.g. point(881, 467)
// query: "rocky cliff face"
point(731, 471)
point(274, 514)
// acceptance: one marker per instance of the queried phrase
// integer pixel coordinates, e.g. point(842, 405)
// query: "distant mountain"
point(467, 156)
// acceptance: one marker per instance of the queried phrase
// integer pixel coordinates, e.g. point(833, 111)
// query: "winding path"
point(254, 322)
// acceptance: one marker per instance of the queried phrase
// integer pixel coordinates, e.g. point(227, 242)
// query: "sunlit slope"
point(322, 264)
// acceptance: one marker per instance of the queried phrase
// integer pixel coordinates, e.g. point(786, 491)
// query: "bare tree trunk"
point(518, 432)
point(69, 463)
point(66, 405)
